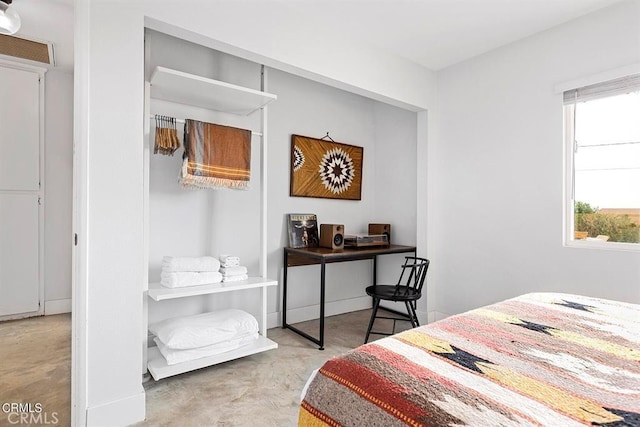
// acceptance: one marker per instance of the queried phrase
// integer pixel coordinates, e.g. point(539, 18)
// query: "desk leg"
point(322, 289)
point(375, 277)
point(284, 290)
point(375, 270)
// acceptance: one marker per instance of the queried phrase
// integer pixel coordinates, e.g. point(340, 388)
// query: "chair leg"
point(413, 313)
point(412, 316)
point(376, 303)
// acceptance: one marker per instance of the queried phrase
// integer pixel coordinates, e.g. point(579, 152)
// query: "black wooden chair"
point(407, 290)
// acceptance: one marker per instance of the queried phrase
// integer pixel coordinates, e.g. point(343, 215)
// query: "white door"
point(20, 192)
point(19, 248)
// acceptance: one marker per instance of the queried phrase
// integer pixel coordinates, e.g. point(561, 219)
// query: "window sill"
point(599, 244)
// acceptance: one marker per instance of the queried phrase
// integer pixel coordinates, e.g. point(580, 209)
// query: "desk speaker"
point(332, 236)
point(381, 229)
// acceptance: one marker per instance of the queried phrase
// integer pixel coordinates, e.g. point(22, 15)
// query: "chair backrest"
point(414, 273)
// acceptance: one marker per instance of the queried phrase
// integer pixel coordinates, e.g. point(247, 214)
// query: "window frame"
point(569, 144)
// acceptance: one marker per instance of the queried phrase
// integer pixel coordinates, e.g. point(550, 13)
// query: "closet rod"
point(181, 121)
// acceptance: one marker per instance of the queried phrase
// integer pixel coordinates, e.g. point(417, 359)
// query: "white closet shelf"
point(157, 292)
point(159, 369)
point(189, 89)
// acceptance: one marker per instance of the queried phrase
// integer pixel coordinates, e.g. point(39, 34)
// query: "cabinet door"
point(19, 254)
point(19, 130)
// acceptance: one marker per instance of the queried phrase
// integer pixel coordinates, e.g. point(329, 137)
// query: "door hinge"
point(75, 239)
point(39, 200)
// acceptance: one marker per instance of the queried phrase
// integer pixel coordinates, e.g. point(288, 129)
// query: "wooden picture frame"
point(325, 169)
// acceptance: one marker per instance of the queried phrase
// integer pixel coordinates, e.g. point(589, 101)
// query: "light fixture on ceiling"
point(9, 19)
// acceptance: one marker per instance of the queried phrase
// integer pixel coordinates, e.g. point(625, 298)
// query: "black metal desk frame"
point(309, 256)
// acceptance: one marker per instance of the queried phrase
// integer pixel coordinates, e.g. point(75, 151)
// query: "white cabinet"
point(21, 192)
point(180, 88)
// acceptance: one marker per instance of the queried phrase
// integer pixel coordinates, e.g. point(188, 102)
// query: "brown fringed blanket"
point(215, 156)
point(540, 359)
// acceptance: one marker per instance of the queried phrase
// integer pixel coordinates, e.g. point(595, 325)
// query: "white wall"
point(58, 167)
point(109, 132)
point(496, 169)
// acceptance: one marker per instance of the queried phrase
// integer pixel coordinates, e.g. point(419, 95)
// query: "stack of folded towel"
point(181, 339)
point(178, 272)
point(231, 269)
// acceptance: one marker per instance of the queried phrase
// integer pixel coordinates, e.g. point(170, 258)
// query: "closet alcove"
point(186, 222)
point(183, 81)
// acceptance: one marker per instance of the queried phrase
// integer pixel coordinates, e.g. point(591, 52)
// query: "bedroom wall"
point(496, 169)
point(108, 103)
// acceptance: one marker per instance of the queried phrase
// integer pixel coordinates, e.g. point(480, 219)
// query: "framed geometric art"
point(325, 169)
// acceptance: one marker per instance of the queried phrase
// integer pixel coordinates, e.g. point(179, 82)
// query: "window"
point(602, 132)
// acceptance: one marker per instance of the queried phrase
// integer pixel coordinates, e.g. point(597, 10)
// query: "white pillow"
point(204, 329)
point(173, 356)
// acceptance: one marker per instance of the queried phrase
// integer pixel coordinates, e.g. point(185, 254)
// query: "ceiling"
point(440, 33)
point(433, 33)
point(49, 21)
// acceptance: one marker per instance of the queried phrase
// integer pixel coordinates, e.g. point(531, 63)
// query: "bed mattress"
point(544, 359)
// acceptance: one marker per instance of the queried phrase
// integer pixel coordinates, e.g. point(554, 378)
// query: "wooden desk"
point(294, 257)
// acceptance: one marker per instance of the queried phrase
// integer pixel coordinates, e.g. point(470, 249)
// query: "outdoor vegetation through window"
point(603, 137)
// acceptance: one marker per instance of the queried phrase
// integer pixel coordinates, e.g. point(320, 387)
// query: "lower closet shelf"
point(157, 292)
point(159, 369)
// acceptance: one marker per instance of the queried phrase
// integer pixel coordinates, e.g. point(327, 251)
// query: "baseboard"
point(121, 412)
point(434, 316)
point(57, 306)
point(311, 312)
point(333, 308)
point(273, 320)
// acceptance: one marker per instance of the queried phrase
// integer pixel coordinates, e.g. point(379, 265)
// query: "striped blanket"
point(538, 359)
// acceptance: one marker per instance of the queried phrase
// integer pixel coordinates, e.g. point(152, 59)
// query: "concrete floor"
point(262, 389)
point(35, 368)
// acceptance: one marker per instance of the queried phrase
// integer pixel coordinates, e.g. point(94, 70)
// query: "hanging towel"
point(203, 263)
point(215, 156)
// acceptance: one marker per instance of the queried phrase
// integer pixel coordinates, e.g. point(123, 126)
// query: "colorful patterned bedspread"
point(538, 359)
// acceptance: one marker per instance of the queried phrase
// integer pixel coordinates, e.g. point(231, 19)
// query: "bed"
point(539, 359)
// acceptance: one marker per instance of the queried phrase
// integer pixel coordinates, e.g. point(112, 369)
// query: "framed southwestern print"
point(325, 169)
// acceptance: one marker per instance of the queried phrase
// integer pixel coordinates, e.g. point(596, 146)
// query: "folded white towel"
point(229, 261)
point(234, 278)
point(180, 279)
point(203, 263)
point(233, 271)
